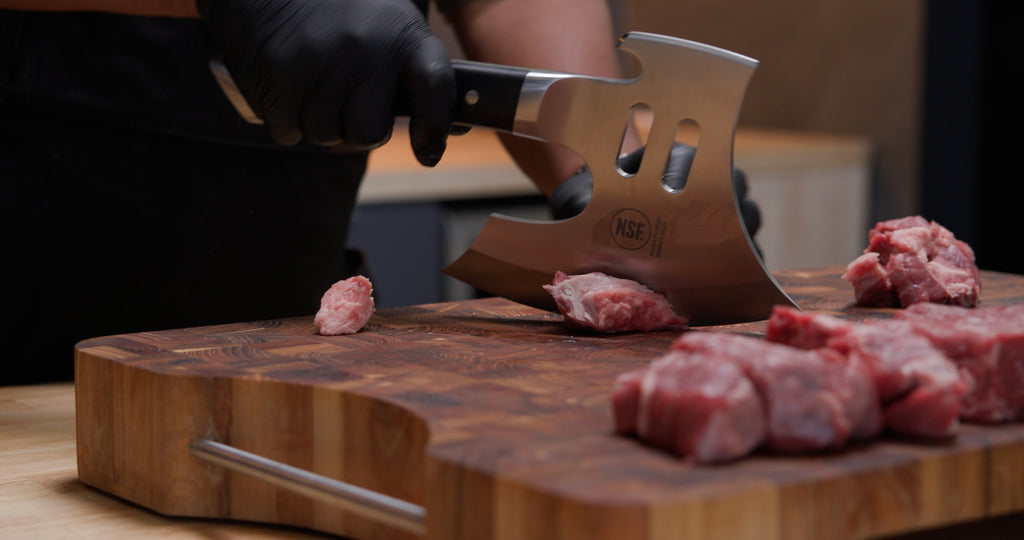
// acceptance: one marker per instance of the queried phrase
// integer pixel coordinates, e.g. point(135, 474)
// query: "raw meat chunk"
point(803, 391)
point(822, 380)
point(853, 381)
point(919, 387)
point(626, 400)
point(911, 260)
point(803, 330)
point(987, 345)
point(920, 281)
point(871, 285)
point(604, 303)
point(696, 405)
point(345, 308)
point(856, 385)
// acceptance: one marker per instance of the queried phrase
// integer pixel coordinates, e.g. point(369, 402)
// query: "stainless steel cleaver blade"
point(689, 244)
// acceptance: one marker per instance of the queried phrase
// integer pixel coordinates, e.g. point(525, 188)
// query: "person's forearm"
point(155, 8)
point(562, 35)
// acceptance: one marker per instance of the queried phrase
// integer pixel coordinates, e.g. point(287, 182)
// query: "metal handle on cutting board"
point(364, 502)
point(488, 95)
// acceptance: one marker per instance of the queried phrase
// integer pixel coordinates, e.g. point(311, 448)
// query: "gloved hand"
point(331, 71)
point(572, 195)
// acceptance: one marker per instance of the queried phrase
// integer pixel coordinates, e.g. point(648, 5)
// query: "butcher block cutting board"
point(496, 419)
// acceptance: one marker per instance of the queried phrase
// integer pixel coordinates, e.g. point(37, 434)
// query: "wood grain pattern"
point(41, 496)
point(496, 418)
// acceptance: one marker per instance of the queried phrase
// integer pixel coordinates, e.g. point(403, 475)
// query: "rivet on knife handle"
point(364, 502)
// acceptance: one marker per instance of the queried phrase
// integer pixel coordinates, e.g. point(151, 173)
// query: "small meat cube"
point(919, 387)
point(853, 381)
point(804, 411)
point(699, 406)
point(626, 400)
point(870, 279)
point(802, 329)
point(930, 411)
point(987, 345)
point(345, 308)
point(603, 303)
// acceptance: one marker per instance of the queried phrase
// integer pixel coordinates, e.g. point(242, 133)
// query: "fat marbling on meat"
point(813, 399)
point(692, 404)
point(911, 260)
point(716, 396)
point(919, 388)
point(987, 345)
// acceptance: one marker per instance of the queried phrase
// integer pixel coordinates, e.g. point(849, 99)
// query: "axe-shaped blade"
point(689, 244)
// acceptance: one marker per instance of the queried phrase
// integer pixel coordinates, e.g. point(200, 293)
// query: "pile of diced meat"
point(603, 303)
point(987, 346)
point(346, 307)
point(718, 396)
point(817, 382)
point(911, 260)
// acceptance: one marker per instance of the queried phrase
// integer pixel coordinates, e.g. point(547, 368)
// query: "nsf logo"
point(630, 229)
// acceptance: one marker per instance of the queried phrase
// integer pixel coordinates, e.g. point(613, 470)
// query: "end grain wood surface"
point(496, 418)
point(41, 496)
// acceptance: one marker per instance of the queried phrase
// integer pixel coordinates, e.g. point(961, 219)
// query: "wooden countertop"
point(42, 497)
point(477, 166)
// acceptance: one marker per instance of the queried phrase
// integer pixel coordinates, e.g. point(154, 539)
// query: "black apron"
point(135, 199)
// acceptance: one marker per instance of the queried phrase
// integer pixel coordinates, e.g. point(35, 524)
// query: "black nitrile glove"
point(572, 195)
point(332, 71)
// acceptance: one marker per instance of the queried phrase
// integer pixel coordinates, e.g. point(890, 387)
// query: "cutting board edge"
point(125, 404)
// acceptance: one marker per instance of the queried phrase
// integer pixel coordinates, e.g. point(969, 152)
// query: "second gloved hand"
point(330, 71)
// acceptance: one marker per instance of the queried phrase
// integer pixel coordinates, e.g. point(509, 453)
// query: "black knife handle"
point(487, 95)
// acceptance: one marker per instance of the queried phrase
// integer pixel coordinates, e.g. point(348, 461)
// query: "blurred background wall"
point(830, 66)
point(934, 85)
